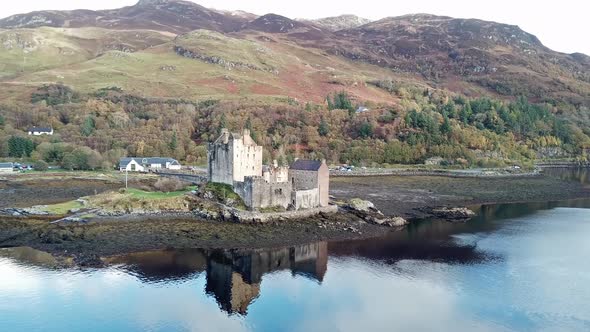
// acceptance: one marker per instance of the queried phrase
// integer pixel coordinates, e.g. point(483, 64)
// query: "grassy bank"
point(130, 200)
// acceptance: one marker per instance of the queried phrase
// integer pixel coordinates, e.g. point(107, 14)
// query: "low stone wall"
point(254, 216)
point(307, 199)
point(193, 178)
point(446, 173)
point(562, 164)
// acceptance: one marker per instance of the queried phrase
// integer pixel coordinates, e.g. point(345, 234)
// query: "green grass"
point(224, 192)
point(152, 195)
point(63, 208)
point(48, 48)
point(221, 190)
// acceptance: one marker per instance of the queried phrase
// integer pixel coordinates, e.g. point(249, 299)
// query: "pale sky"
point(562, 25)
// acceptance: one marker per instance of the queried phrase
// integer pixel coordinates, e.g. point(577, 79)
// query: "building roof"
point(123, 162)
point(6, 165)
point(41, 129)
point(306, 165)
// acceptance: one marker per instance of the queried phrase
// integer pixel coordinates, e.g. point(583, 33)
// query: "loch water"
point(515, 267)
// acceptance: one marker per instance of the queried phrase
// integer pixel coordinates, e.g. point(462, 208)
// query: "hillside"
point(161, 77)
point(31, 50)
point(174, 16)
point(458, 54)
point(337, 23)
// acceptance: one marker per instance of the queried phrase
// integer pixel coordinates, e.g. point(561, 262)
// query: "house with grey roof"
point(38, 131)
point(147, 164)
point(311, 181)
point(6, 167)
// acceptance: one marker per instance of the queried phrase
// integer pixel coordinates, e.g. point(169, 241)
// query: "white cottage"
point(148, 164)
point(38, 131)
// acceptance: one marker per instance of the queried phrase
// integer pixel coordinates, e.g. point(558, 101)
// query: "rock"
point(352, 229)
point(391, 222)
point(89, 260)
point(457, 213)
point(397, 221)
point(369, 213)
point(360, 205)
point(227, 215)
point(21, 212)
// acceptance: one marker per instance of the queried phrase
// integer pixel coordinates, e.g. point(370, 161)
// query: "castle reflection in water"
point(233, 276)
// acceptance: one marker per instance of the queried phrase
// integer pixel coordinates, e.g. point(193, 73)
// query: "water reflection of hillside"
point(581, 175)
point(434, 240)
point(233, 276)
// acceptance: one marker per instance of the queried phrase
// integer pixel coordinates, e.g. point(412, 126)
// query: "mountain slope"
point(466, 56)
point(337, 23)
point(163, 15)
point(29, 50)
point(207, 64)
point(501, 58)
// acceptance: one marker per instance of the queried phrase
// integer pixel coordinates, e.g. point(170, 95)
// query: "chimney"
point(275, 163)
point(225, 135)
point(246, 132)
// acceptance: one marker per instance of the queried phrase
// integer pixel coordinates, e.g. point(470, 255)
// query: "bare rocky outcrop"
point(16, 212)
point(453, 214)
point(339, 22)
point(367, 211)
point(229, 65)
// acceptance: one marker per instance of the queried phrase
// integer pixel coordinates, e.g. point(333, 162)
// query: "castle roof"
point(306, 165)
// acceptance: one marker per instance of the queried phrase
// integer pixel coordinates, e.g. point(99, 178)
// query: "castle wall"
point(244, 190)
point(303, 180)
point(220, 161)
point(324, 184)
point(306, 199)
point(258, 194)
point(248, 160)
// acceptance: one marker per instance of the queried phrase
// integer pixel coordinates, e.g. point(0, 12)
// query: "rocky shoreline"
point(395, 202)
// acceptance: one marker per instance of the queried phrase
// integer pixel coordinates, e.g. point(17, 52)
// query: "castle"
point(236, 160)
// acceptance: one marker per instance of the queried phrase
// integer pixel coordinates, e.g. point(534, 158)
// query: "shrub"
point(169, 185)
point(40, 166)
point(223, 193)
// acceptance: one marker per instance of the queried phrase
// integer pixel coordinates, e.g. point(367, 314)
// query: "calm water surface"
point(519, 267)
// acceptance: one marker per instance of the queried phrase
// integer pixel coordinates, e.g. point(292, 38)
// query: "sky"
point(561, 25)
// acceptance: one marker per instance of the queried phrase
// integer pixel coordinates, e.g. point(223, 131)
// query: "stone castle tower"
point(232, 157)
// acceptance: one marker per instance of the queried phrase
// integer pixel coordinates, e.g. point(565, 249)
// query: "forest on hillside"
point(92, 131)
